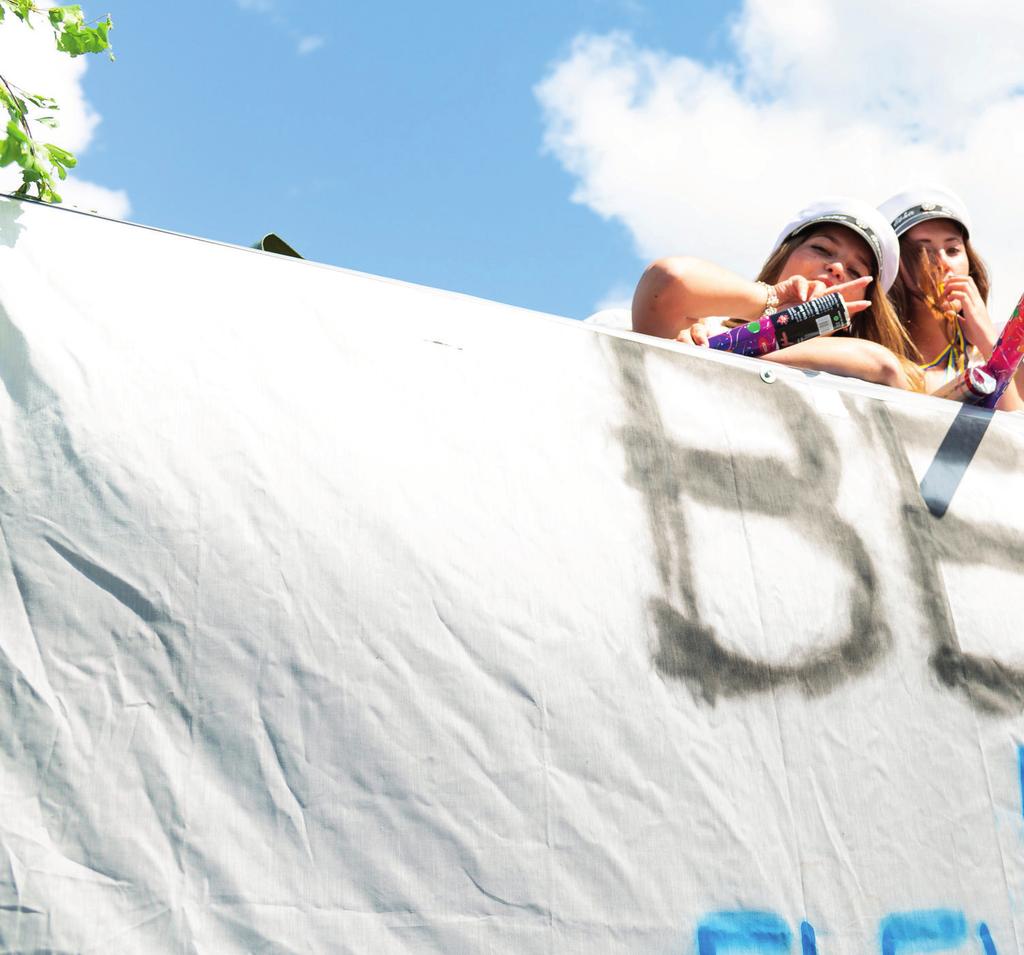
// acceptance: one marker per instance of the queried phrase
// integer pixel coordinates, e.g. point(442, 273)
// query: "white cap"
point(854, 214)
point(906, 209)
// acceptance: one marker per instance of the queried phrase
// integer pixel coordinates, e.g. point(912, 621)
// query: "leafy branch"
point(43, 163)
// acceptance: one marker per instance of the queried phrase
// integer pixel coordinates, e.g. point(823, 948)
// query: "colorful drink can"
point(798, 323)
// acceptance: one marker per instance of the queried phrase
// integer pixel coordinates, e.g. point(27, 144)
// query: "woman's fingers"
point(952, 289)
point(955, 292)
point(797, 289)
point(858, 305)
point(696, 334)
point(792, 291)
point(816, 290)
point(851, 291)
point(961, 287)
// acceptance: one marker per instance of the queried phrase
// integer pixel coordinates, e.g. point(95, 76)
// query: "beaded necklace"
point(953, 358)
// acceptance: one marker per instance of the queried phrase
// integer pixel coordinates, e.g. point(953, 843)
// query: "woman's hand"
point(853, 357)
point(695, 334)
point(797, 289)
point(962, 295)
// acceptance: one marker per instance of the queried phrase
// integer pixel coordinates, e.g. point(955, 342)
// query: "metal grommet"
point(767, 376)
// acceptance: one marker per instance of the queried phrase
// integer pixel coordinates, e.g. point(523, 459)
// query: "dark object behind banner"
point(272, 242)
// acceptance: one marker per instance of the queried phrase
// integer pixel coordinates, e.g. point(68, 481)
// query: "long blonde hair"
point(878, 323)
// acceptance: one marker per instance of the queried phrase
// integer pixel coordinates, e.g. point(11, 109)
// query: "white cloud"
point(821, 98)
point(30, 60)
point(80, 194)
point(304, 43)
point(618, 296)
point(308, 44)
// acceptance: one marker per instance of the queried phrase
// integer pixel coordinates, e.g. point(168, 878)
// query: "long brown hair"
point(903, 294)
point(878, 323)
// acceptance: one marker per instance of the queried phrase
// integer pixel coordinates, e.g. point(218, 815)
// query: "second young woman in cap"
point(837, 244)
point(941, 293)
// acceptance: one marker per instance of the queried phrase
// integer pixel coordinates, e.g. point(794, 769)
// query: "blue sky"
point(538, 153)
point(407, 143)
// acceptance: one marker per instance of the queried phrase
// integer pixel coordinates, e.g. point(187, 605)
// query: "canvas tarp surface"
point(341, 615)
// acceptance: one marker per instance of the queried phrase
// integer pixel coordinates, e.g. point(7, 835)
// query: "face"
point(945, 238)
point(832, 255)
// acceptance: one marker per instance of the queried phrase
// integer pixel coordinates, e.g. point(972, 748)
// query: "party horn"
point(798, 323)
point(1006, 356)
point(972, 387)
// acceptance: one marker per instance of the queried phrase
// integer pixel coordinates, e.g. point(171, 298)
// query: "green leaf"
point(74, 37)
point(15, 132)
point(42, 164)
point(60, 156)
point(70, 14)
point(10, 151)
point(43, 102)
point(22, 9)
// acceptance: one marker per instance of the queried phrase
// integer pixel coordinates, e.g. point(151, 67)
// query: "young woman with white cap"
point(949, 325)
point(837, 244)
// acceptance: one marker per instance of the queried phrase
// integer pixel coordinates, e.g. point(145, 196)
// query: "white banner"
point(341, 615)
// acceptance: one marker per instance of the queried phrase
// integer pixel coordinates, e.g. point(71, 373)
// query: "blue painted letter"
point(925, 931)
point(808, 943)
point(742, 931)
point(1020, 769)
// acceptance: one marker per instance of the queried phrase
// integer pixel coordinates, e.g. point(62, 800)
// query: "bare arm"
point(852, 357)
point(674, 293)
